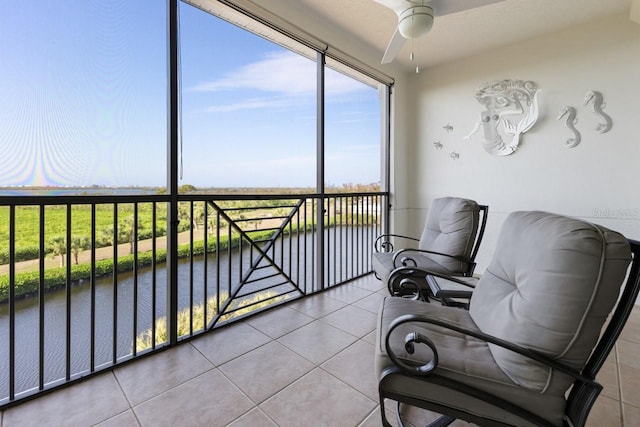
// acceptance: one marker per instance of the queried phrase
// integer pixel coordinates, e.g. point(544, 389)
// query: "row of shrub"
point(22, 253)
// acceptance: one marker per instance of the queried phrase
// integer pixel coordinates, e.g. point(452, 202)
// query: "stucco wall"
point(597, 180)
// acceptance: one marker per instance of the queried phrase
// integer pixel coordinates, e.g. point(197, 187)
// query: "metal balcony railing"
point(84, 283)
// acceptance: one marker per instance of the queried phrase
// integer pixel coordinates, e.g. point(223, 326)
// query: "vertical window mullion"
point(172, 173)
point(320, 163)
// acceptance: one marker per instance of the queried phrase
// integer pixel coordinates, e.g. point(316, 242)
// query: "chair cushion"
point(451, 228)
point(462, 358)
point(549, 287)
point(382, 264)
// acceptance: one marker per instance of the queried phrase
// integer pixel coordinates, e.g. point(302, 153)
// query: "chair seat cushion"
point(462, 358)
point(382, 263)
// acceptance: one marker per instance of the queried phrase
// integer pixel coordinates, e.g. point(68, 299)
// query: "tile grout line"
point(212, 368)
point(350, 386)
point(368, 415)
point(217, 366)
point(256, 405)
point(126, 398)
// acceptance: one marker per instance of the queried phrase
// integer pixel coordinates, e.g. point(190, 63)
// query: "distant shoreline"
point(95, 190)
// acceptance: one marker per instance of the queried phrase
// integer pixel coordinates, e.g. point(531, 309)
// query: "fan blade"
point(395, 44)
point(446, 7)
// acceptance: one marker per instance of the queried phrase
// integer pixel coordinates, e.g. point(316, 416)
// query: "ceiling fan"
point(415, 18)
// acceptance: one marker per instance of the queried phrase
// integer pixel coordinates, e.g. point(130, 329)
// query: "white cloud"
point(250, 104)
point(284, 73)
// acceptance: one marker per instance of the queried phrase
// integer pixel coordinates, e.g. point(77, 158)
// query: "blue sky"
point(83, 101)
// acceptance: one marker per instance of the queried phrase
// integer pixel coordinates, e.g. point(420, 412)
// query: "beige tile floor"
point(308, 363)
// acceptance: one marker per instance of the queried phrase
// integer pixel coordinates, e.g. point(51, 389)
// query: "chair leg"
point(383, 413)
point(442, 421)
point(398, 417)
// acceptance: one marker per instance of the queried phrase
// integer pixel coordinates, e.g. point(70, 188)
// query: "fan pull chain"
point(411, 55)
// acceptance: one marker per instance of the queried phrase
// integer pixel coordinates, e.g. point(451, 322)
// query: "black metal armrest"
point(460, 292)
point(402, 258)
point(382, 245)
point(401, 281)
point(425, 369)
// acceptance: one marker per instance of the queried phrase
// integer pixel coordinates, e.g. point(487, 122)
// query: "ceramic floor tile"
point(630, 415)
point(84, 404)
point(608, 377)
point(347, 294)
point(317, 341)
point(630, 384)
point(318, 399)
point(370, 338)
point(266, 370)
point(356, 321)
point(355, 366)
point(631, 330)
point(278, 322)
point(384, 292)
point(605, 412)
point(227, 343)
point(374, 420)
point(253, 418)
point(125, 419)
point(209, 400)
point(370, 303)
point(148, 377)
point(628, 353)
point(317, 306)
point(370, 283)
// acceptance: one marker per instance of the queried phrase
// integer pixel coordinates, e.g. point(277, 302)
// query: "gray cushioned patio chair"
point(529, 337)
point(448, 245)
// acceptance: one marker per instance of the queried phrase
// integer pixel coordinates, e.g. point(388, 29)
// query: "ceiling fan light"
point(415, 21)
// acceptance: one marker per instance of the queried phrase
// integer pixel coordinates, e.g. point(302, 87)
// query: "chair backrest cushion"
point(451, 228)
point(549, 287)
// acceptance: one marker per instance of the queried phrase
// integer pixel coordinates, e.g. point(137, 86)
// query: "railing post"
point(172, 175)
point(12, 302)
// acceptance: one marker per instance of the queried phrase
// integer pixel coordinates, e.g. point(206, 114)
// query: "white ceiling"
point(465, 33)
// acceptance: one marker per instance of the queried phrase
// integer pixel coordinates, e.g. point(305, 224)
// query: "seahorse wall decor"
point(598, 104)
point(569, 114)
